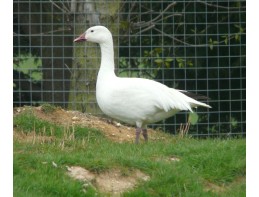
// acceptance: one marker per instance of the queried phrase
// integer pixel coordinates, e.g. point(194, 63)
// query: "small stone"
point(118, 124)
point(75, 118)
point(174, 159)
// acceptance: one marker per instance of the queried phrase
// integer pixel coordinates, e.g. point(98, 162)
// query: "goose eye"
point(92, 31)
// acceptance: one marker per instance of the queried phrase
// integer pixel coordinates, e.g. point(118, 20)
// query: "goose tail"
point(196, 98)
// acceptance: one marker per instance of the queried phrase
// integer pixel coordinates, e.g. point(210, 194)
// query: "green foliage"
point(212, 43)
point(193, 118)
point(182, 62)
point(239, 33)
point(225, 39)
point(145, 64)
point(28, 65)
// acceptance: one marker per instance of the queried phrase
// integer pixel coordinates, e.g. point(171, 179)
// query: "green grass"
point(202, 162)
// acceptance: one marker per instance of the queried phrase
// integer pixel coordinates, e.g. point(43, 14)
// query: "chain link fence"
point(198, 46)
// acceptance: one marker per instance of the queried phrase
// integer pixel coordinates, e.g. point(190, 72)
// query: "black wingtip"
point(195, 96)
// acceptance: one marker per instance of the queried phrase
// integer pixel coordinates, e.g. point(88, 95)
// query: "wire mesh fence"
point(198, 46)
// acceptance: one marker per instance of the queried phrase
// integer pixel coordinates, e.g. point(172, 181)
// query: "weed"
point(48, 108)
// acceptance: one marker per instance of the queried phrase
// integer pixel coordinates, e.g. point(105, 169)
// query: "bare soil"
point(111, 129)
point(113, 182)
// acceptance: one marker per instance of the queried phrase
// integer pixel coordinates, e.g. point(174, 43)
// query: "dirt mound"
point(114, 181)
point(111, 129)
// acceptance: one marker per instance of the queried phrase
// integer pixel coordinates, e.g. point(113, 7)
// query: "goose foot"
point(138, 131)
point(144, 133)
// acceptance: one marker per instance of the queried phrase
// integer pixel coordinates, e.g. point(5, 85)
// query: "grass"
point(211, 167)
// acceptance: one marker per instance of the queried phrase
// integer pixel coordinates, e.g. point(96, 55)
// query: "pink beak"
point(81, 38)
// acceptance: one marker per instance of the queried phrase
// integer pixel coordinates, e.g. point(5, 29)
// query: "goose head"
point(96, 34)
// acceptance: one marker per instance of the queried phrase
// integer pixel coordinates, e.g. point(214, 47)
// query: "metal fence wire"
point(198, 46)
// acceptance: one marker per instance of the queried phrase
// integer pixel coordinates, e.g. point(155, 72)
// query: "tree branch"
point(65, 10)
point(43, 33)
point(219, 6)
point(146, 29)
point(151, 22)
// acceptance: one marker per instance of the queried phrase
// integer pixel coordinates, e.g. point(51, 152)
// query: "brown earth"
point(113, 182)
point(111, 129)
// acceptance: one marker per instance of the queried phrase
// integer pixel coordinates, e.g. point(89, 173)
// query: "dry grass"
point(184, 128)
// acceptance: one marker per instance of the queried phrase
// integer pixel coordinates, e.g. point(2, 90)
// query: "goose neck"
point(107, 56)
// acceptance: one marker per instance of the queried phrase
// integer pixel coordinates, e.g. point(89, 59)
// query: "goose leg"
point(144, 133)
point(138, 131)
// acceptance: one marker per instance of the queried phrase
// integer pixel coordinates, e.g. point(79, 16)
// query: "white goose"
point(134, 101)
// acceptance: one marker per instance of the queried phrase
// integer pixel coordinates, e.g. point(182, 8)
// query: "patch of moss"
point(48, 108)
